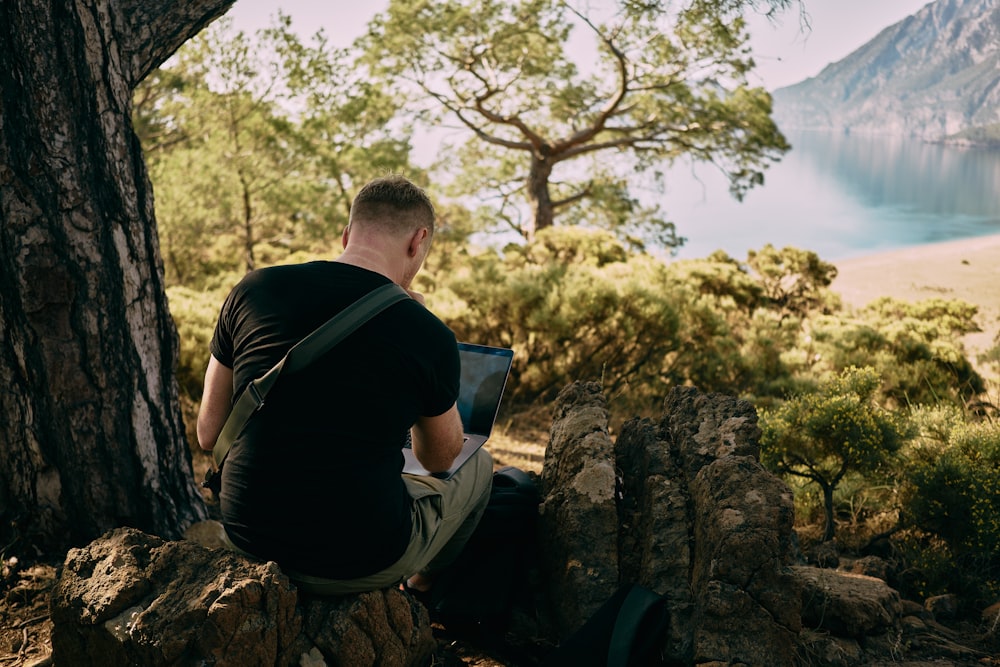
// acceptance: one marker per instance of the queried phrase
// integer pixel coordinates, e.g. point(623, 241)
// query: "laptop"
point(484, 376)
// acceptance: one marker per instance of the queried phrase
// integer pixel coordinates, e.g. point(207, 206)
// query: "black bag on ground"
point(628, 630)
point(480, 587)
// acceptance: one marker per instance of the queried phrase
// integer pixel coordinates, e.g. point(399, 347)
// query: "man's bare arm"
point(438, 440)
point(216, 402)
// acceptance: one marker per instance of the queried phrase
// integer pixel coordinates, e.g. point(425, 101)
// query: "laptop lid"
point(484, 372)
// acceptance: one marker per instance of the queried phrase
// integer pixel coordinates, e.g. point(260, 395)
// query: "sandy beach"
point(967, 269)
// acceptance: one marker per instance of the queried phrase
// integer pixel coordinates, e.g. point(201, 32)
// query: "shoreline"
point(966, 269)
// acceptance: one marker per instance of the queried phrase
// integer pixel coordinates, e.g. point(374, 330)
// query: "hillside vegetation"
point(875, 413)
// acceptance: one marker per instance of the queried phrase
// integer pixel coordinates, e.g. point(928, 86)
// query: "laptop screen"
point(484, 374)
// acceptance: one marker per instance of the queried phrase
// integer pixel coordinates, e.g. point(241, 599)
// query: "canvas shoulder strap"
point(301, 355)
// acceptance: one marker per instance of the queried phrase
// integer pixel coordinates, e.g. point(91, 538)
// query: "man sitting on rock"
point(313, 482)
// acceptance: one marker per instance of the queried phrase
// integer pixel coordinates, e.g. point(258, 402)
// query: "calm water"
point(843, 196)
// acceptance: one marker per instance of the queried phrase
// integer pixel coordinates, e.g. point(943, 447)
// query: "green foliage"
point(821, 436)
point(930, 566)
point(543, 113)
point(793, 280)
point(573, 305)
point(954, 491)
point(757, 338)
point(256, 145)
point(195, 313)
point(915, 347)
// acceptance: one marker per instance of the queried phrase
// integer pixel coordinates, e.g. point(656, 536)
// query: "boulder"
point(129, 598)
point(942, 606)
point(682, 507)
point(871, 566)
point(847, 604)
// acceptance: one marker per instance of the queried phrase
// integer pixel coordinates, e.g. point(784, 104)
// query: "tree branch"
point(151, 32)
point(599, 123)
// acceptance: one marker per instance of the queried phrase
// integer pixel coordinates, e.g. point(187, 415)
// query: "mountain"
point(934, 75)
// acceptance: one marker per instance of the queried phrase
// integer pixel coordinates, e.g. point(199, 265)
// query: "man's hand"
point(438, 440)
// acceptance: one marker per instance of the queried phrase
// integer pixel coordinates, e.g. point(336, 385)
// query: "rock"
point(911, 608)
point(942, 606)
point(830, 651)
point(871, 566)
point(209, 534)
point(578, 516)
point(682, 507)
point(129, 598)
point(848, 605)
point(824, 554)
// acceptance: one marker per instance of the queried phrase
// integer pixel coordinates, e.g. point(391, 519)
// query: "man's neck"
point(370, 259)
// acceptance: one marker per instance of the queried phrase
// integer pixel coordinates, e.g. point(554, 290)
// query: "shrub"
point(954, 494)
point(915, 347)
point(573, 306)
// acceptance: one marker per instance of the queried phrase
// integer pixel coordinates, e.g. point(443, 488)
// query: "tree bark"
point(539, 197)
point(91, 434)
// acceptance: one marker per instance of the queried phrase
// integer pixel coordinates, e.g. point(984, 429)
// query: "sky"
point(785, 52)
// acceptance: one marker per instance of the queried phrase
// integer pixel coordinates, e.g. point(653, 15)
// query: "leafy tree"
point(793, 280)
point(90, 423)
point(556, 133)
point(821, 436)
point(257, 145)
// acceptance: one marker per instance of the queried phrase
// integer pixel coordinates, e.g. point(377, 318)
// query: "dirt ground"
point(25, 628)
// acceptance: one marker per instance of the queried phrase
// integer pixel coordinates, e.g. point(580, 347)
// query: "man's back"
point(314, 482)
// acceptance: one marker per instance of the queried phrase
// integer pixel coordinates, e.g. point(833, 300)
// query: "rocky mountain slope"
point(935, 75)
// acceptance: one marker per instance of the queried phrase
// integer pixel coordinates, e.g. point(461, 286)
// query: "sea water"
point(841, 196)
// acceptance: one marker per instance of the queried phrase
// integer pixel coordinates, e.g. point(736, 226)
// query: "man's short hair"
point(393, 204)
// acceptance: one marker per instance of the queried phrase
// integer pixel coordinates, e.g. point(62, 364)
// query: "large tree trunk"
point(91, 435)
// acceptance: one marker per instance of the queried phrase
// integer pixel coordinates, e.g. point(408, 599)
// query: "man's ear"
point(345, 234)
point(417, 239)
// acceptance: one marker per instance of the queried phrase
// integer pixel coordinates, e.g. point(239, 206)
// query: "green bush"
point(915, 347)
point(195, 313)
point(954, 494)
point(573, 306)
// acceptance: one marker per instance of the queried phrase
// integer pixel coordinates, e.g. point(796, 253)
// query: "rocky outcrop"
point(847, 605)
point(578, 522)
point(130, 598)
point(682, 507)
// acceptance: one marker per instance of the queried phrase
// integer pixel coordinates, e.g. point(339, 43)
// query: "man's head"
point(390, 228)
point(392, 205)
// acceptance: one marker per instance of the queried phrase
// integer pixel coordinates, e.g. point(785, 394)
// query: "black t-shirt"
point(313, 482)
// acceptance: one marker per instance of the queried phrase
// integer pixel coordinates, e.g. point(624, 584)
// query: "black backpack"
point(628, 630)
point(481, 586)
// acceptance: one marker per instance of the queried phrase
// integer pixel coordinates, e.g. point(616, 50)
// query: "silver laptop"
point(484, 376)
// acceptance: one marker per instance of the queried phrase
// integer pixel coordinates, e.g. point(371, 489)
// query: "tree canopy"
point(257, 143)
point(566, 109)
point(822, 435)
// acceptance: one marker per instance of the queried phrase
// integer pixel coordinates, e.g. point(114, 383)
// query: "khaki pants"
point(445, 513)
